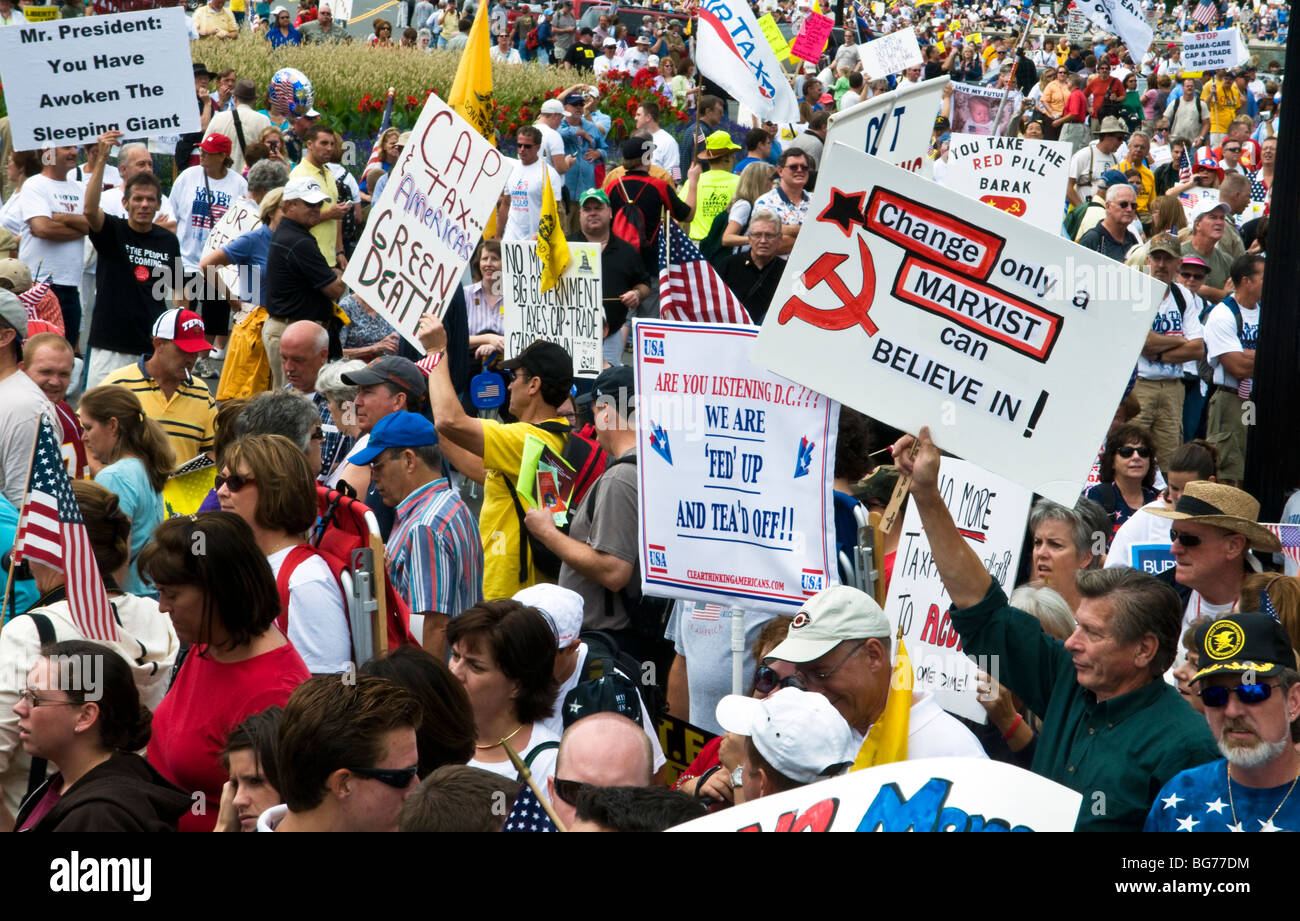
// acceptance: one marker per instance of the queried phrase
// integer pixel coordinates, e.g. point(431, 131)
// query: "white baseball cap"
point(303, 188)
point(609, 42)
point(1206, 205)
point(552, 107)
point(562, 606)
point(829, 618)
point(799, 733)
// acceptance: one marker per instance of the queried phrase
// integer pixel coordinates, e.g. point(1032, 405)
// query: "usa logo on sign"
point(652, 348)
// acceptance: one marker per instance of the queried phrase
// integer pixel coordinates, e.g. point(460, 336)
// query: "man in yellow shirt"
point(1223, 99)
point(1139, 174)
point(317, 151)
point(490, 452)
point(214, 20)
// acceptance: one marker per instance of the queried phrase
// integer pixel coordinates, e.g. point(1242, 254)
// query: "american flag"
point(527, 814)
point(1184, 167)
point(1289, 535)
point(377, 152)
point(52, 531)
point(689, 288)
point(1258, 191)
point(32, 297)
point(1206, 13)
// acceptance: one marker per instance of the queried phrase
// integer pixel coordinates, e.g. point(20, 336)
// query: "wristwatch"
point(737, 776)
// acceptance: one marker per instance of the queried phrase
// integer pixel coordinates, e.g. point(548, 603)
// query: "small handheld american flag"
point(1184, 167)
point(689, 288)
point(1206, 13)
point(51, 531)
point(32, 297)
point(527, 814)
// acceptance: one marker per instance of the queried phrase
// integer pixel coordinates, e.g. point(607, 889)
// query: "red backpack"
point(629, 220)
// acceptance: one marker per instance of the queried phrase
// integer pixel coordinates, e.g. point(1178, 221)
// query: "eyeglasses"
point(766, 680)
point(1125, 205)
point(1127, 451)
point(1187, 540)
point(1217, 696)
point(817, 678)
point(1193, 276)
point(29, 696)
point(797, 167)
point(318, 434)
point(399, 778)
point(763, 236)
point(568, 790)
point(526, 146)
point(233, 482)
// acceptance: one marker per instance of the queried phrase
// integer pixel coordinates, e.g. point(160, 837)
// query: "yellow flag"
point(552, 248)
point(471, 91)
point(887, 740)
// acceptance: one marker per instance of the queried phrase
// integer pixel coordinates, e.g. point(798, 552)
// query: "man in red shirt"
point(48, 360)
point(1102, 88)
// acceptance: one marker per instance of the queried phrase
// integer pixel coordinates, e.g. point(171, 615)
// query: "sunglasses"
point(526, 146)
point(1232, 150)
point(796, 168)
point(568, 790)
point(1127, 451)
point(1125, 205)
point(1217, 696)
point(318, 434)
point(766, 680)
point(1187, 540)
point(1192, 275)
point(398, 778)
point(233, 482)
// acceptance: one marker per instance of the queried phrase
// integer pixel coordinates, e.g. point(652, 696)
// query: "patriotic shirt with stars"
point(1197, 800)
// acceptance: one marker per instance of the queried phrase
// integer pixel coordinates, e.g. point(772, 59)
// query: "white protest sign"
point(894, 126)
point(930, 794)
point(423, 229)
point(990, 512)
point(1123, 18)
point(242, 216)
point(735, 471)
point(1075, 25)
point(891, 54)
point(1021, 176)
point(570, 314)
point(1216, 50)
point(918, 306)
point(975, 109)
point(68, 81)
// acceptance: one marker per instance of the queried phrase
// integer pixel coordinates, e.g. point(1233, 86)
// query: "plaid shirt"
point(435, 556)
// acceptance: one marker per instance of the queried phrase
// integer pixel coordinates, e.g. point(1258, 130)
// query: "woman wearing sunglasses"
point(214, 583)
point(99, 783)
point(710, 774)
point(134, 460)
point(266, 480)
point(1128, 472)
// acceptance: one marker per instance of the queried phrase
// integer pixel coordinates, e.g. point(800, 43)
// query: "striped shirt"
point(188, 418)
point(435, 557)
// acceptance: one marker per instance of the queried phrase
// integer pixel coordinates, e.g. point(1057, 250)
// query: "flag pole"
point(527, 775)
point(695, 132)
point(9, 580)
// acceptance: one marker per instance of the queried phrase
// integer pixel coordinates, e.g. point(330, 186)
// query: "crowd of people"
point(239, 398)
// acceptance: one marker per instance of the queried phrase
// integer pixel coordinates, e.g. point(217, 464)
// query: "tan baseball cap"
point(15, 272)
point(829, 618)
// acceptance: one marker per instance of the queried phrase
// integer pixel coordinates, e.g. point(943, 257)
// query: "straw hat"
point(1222, 507)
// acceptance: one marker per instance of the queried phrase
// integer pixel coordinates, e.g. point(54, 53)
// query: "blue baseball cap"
point(396, 430)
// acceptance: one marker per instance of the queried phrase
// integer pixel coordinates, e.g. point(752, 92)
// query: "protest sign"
point(731, 53)
point(894, 126)
point(891, 54)
point(570, 314)
point(990, 513)
point(1014, 345)
point(974, 109)
point(1021, 176)
point(424, 227)
point(40, 13)
point(775, 40)
point(810, 41)
point(735, 469)
point(1123, 18)
point(242, 216)
point(1076, 24)
point(1216, 50)
point(68, 81)
point(931, 794)
point(681, 743)
point(1193, 196)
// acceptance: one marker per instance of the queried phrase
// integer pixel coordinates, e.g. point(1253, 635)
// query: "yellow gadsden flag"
point(552, 248)
point(471, 91)
point(887, 740)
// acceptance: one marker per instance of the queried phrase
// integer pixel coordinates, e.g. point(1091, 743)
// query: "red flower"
point(412, 101)
point(513, 129)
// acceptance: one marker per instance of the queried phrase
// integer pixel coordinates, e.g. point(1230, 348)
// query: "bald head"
point(304, 349)
point(605, 750)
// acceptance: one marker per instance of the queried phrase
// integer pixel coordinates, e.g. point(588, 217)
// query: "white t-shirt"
point(45, 197)
point(1290, 515)
point(932, 732)
point(848, 101)
point(1198, 607)
point(21, 405)
point(196, 214)
point(1087, 166)
point(1143, 542)
point(1221, 338)
point(667, 154)
point(555, 722)
point(603, 64)
point(542, 767)
point(1168, 321)
point(552, 143)
point(525, 190)
point(318, 626)
point(633, 60)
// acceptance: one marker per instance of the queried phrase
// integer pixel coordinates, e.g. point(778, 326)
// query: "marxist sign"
point(894, 126)
point(931, 794)
point(570, 314)
point(68, 81)
point(919, 306)
point(1020, 176)
point(424, 227)
point(735, 471)
point(990, 514)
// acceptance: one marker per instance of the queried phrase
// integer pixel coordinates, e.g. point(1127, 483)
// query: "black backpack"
point(606, 657)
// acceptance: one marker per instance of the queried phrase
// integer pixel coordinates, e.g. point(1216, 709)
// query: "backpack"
point(606, 657)
point(648, 614)
point(1204, 370)
point(629, 220)
point(531, 41)
point(588, 459)
point(1074, 219)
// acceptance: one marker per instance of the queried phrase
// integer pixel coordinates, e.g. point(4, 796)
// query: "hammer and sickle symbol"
point(853, 307)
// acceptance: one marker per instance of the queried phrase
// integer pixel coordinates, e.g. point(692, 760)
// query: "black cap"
point(612, 693)
point(635, 148)
point(202, 71)
point(616, 383)
point(543, 359)
point(392, 369)
point(1252, 642)
point(574, 99)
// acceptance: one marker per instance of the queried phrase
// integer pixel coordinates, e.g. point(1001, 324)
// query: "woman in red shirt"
point(215, 584)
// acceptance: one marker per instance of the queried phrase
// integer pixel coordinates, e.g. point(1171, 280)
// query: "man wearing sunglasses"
point(788, 200)
point(1111, 235)
point(601, 750)
point(839, 643)
point(1251, 691)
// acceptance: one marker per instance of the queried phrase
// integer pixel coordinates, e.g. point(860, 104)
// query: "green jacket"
point(1118, 753)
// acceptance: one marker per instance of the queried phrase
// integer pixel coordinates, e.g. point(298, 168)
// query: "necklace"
point(504, 739)
point(1233, 806)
